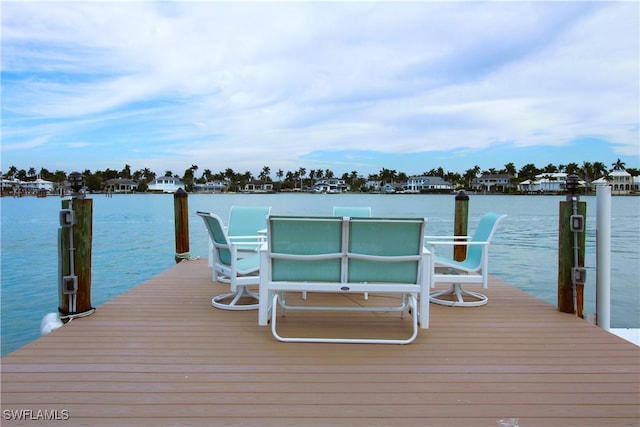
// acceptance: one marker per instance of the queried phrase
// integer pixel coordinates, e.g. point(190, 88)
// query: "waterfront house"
point(121, 185)
point(547, 183)
point(257, 186)
point(166, 184)
point(330, 185)
point(14, 186)
point(621, 182)
point(216, 186)
point(493, 183)
point(428, 184)
point(373, 185)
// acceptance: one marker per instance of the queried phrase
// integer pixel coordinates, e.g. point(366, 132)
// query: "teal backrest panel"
point(385, 238)
point(216, 233)
point(311, 236)
point(483, 233)
point(247, 220)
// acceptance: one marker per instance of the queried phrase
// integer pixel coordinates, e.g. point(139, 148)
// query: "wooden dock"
point(160, 355)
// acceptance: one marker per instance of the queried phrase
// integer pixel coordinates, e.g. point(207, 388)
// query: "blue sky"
point(409, 86)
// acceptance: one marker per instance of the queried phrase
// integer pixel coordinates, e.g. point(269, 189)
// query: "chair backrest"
point(352, 211)
point(316, 242)
point(376, 237)
point(484, 233)
point(247, 220)
point(218, 236)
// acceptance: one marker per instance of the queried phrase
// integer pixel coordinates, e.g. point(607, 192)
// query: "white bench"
point(345, 255)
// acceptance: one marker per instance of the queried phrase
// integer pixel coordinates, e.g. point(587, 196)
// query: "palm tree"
point(264, 175)
point(618, 165)
point(572, 169)
point(126, 172)
point(510, 169)
point(301, 174)
point(599, 170)
point(11, 172)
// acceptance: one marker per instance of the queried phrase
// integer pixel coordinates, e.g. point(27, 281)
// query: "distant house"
point(39, 186)
point(330, 185)
point(553, 183)
point(121, 185)
point(493, 182)
point(166, 184)
point(211, 187)
point(256, 186)
point(621, 182)
point(373, 185)
point(425, 184)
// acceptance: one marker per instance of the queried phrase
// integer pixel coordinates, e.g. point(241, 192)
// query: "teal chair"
point(247, 227)
point(473, 269)
point(228, 267)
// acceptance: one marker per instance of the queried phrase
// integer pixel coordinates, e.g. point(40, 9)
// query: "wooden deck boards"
point(161, 355)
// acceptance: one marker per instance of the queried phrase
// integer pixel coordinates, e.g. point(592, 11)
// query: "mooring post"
point(571, 250)
point(74, 247)
point(460, 224)
point(603, 257)
point(181, 219)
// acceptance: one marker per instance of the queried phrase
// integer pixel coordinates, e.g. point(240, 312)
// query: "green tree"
point(93, 181)
point(265, 174)
point(528, 171)
point(572, 169)
point(126, 172)
point(618, 165)
point(11, 172)
point(600, 170)
point(302, 172)
point(510, 169)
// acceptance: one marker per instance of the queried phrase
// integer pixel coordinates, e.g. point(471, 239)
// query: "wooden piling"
point(566, 259)
point(461, 222)
point(181, 219)
point(79, 301)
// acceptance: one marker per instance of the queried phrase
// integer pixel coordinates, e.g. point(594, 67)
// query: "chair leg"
point(220, 301)
point(459, 293)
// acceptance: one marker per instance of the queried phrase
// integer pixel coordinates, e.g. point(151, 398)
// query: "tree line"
point(301, 178)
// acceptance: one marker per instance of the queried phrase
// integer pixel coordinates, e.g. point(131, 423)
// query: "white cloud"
point(269, 82)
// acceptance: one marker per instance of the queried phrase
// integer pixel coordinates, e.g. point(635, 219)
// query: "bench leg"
point(413, 305)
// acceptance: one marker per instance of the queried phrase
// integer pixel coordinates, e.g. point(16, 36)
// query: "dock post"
point(74, 252)
point(461, 222)
point(181, 219)
point(603, 257)
point(571, 250)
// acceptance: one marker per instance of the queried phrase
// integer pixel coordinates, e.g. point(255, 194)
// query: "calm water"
point(133, 239)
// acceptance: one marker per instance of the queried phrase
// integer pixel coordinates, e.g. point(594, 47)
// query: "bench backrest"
point(348, 250)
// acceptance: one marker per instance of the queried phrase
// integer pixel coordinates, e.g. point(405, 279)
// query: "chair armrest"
point(456, 242)
point(448, 237)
